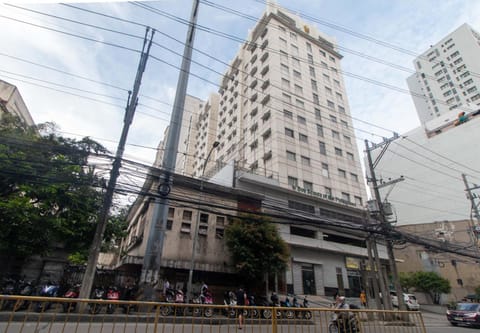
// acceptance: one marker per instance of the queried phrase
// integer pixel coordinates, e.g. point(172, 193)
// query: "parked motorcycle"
point(71, 293)
point(113, 294)
point(176, 296)
point(98, 293)
point(129, 294)
point(26, 289)
point(50, 289)
point(230, 300)
point(302, 314)
point(9, 287)
point(206, 298)
point(289, 314)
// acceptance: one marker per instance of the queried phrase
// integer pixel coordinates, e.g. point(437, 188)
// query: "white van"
point(409, 299)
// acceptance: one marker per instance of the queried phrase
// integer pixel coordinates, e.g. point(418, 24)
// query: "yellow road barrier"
point(22, 314)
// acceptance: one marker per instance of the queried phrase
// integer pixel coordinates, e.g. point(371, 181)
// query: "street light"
point(195, 235)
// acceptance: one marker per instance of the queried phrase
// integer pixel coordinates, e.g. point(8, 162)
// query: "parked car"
point(467, 314)
point(409, 299)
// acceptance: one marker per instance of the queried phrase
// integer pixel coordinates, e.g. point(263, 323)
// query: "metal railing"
point(24, 314)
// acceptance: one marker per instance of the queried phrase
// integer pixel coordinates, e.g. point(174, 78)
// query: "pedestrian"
point(363, 298)
point(166, 286)
point(241, 301)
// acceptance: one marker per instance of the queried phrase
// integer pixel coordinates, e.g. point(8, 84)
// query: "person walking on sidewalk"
point(241, 297)
point(363, 298)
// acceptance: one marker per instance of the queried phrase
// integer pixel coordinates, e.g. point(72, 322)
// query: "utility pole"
point(197, 226)
point(132, 102)
point(474, 209)
point(384, 223)
point(156, 235)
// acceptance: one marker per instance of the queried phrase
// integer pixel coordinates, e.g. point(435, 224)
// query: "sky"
point(81, 84)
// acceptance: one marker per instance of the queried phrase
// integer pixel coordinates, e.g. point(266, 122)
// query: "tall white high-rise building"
point(284, 114)
point(447, 75)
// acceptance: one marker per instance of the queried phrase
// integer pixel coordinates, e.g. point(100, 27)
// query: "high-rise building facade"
point(284, 114)
point(446, 75)
point(12, 102)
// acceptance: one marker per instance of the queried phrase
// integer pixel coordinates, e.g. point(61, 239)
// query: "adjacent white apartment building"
point(432, 158)
point(446, 75)
point(284, 114)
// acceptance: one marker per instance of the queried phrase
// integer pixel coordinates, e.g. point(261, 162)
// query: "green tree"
point(431, 283)
point(406, 280)
point(49, 193)
point(256, 247)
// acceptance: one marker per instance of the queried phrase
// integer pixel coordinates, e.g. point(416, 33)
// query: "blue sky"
point(408, 24)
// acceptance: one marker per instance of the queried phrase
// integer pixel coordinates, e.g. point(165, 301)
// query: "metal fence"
point(57, 315)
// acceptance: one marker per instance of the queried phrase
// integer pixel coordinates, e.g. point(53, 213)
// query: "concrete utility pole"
point(474, 209)
point(89, 275)
point(197, 226)
point(156, 235)
point(386, 227)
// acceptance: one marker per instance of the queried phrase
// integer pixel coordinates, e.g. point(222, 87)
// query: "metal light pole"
point(195, 235)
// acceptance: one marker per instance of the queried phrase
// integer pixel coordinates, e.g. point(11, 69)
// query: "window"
point(307, 186)
point(283, 56)
point(350, 156)
point(303, 138)
point(186, 221)
point(300, 104)
point(309, 47)
point(297, 75)
point(346, 197)
point(301, 206)
point(324, 65)
point(339, 96)
point(312, 71)
point(347, 139)
point(171, 217)
point(326, 78)
point(305, 160)
point(301, 120)
point(316, 100)
point(289, 132)
point(298, 90)
point(310, 59)
point(284, 69)
point(358, 201)
point(338, 152)
point(302, 232)
point(331, 58)
point(220, 227)
point(322, 53)
point(328, 91)
point(323, 148)
point(295, 62)
point(293, 182)
point(203, 227)
point(293, 35)
point(291, 156)
point(282, 29)
point(320, 130)
point(330, 104)
point(333, 119)
point(344, 124)
point(325, 170)
point(283, 43)
point(187, 215)
point(285, 83)
point(328, 191)
point(354, 177)
point(336, 83)
point(318, 114)
point(287, 114)
point(286, 98)
point(294, 50)
point(342, 173)
point(314, 85)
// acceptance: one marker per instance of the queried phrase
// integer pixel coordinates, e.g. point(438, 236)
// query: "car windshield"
point(411, 297)
point(467, 306)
